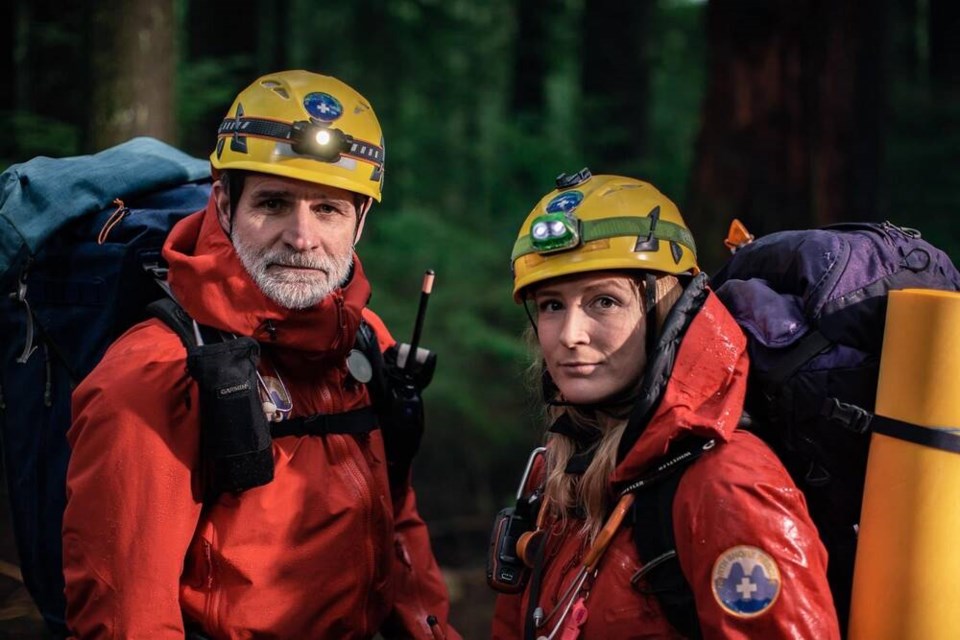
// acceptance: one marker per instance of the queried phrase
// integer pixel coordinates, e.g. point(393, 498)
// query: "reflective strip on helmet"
point(275, 130)
point(615, 227)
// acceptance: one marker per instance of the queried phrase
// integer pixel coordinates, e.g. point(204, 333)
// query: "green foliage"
point(31, 135)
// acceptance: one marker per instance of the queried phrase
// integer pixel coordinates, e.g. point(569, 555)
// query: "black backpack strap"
point(656, 545)
point(653, 535)
point(174, 316)
point(363, 420)
point(796, 356)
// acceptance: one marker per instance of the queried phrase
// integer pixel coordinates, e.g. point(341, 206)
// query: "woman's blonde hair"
point(588, 494)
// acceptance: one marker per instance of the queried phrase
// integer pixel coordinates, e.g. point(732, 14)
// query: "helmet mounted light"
point(323, 143)
point(555, 231)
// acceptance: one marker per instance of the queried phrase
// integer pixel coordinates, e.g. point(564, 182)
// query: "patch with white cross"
point(746, 581)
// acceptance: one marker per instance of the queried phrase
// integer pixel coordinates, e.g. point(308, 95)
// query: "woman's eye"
point(549, 305)
point(605, 302)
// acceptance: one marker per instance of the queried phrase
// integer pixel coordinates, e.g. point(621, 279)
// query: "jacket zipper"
point(365, 495)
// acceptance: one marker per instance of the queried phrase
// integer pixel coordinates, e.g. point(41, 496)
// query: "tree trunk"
point(791, 120)
point(944, 52)
point(134, 61)
point(530, 68)
point(616, 84)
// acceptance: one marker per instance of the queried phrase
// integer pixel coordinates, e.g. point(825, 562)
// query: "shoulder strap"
point(358, 421)
point(174, 316)
point(653, 535)
point(656, 545)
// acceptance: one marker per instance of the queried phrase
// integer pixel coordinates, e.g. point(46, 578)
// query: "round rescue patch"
point(566, 201)
point(323, 106)
point(746, 581)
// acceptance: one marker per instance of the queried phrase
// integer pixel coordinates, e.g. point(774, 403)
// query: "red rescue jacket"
point(737, 495)
point(321, 551)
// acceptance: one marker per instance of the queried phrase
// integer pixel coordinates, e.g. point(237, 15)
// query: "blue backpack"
point(813, 306)
point(75, 272)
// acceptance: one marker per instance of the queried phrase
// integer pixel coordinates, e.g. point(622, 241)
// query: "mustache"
point(299, 260)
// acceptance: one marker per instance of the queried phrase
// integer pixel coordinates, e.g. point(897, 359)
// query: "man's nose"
point(302, 232)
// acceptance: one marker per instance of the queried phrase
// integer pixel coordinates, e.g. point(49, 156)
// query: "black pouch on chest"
point(235, 443)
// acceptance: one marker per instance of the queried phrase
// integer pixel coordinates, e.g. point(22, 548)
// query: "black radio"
point(506, 570)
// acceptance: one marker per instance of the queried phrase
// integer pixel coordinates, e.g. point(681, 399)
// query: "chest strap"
point(363, 420)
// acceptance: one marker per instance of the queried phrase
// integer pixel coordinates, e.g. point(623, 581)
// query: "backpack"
point(80, 260)
point(74, 275)
point(812, 304)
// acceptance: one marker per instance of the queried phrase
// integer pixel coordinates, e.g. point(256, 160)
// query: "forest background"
point(784, 113)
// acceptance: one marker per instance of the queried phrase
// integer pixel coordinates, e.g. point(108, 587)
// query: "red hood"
point(704, 395)
point(211, 284)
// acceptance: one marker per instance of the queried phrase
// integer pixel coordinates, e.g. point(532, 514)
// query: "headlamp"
point(556, 231)
point(322, 143)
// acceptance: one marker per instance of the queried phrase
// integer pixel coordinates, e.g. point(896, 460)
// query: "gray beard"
point(294, 289)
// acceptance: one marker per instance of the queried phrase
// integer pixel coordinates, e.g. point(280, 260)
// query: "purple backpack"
point(813, 305)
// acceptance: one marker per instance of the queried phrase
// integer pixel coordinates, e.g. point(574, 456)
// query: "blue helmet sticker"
point(323, 106)
point(746, 581)
point(567, 201)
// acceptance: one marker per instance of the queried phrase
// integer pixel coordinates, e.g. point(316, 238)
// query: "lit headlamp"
point(556, 231)
point(322, 143)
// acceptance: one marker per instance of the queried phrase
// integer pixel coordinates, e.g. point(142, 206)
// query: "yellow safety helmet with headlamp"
point(306, 126)
point(600, 223)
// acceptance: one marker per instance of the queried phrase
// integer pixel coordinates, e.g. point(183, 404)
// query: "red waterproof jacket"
point(739, 521)
point(320, 552)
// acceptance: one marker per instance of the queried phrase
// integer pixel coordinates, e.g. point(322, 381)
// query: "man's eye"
point(605, 302)
point(327, 209)
point(271, 204)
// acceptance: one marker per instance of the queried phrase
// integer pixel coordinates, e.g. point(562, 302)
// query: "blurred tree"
point(615, 84)
point(530, 58)
point(45, 99)
point(944, 51)
point(134, 61)
point(791, 123)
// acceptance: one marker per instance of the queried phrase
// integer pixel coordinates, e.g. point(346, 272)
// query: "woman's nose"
point(575, 329)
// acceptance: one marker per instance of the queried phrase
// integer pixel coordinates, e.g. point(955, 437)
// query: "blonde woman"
point(644, 375)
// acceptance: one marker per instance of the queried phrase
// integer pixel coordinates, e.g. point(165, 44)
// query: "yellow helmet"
point(302, 125)
point(599, 223)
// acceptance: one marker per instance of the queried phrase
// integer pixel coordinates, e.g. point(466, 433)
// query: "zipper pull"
point(21, 297)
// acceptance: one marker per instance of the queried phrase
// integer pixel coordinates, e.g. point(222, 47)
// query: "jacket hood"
point(211, 284)
point(694, 385)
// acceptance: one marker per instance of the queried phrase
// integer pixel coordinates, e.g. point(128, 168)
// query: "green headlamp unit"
point(573, 232)
point(552, 232)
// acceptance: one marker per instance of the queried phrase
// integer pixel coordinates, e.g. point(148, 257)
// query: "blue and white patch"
point(746, 581)
point(567, 201)
point(323, 106)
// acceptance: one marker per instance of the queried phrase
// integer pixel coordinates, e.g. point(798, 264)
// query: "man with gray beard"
point(312, 535)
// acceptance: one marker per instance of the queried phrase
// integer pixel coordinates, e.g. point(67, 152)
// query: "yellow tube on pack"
point(907, 575)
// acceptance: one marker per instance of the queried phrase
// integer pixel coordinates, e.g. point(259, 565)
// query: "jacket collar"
point(694, 385)
point(212, 285)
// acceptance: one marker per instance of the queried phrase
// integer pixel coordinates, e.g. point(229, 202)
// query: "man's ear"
point(362, 218)
point(222, 200)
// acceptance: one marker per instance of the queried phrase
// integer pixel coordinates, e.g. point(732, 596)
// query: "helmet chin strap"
point(361, 218)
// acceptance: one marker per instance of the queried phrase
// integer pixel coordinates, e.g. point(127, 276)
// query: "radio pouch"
point(235, 443)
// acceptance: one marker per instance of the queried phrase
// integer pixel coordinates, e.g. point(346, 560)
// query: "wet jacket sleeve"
point(420, 593)
point(749, 548)
point(131, 511)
